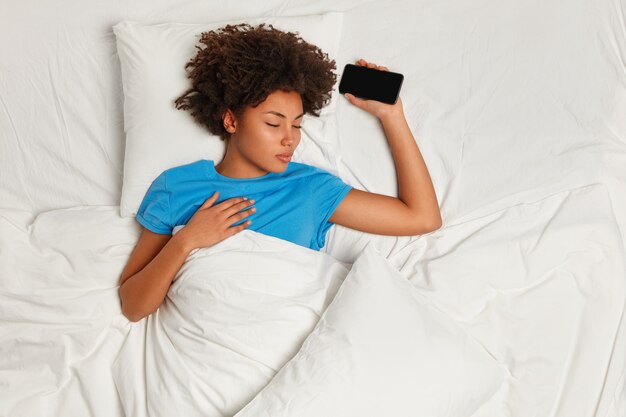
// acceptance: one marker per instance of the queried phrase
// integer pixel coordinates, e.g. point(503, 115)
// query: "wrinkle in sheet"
point(617, 41)
point(32, 402)
point(618, 70)
point(555, 273)
point(551, 217)
point(188, 333)
point(209, 391)
point(618, 401)
point(471, 232)
point(484, 103)
point(156, 337)
point(22, 154)
point(354, 178)
point(67, 160)
point(70, 372)
point(576, 341)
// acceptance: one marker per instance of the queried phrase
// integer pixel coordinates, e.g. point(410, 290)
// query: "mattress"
point(519, 112)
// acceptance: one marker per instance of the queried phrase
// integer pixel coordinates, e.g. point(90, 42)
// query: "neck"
point(234, 165)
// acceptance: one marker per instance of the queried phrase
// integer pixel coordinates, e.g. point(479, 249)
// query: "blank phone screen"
point(371, 84)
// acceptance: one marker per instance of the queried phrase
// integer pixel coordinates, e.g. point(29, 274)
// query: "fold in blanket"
point(235, 314)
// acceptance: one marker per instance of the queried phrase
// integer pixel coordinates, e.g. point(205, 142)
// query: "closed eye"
point(269, 124)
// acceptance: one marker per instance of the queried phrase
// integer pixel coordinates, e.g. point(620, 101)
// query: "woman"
point(253, 86)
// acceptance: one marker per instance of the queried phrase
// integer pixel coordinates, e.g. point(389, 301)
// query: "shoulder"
point(306, 176)
point(181, 173)
point(321, 183)
point(297, 169)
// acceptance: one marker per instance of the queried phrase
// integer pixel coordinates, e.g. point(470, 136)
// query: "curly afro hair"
point(241, 65)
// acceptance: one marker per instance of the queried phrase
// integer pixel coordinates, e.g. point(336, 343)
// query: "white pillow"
point(379, 349)
point(158, 136)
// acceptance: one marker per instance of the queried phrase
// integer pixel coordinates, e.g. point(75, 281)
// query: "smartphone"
point(371, 84)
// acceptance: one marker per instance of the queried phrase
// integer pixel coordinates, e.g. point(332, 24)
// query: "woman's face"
point(262, 135)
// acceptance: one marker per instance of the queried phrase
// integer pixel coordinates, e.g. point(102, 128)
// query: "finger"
point(235, 208)
point(226, 204)
point(236, 229)
point(209, 201)
point(241, 215)
point(235, 217)
point(354, 100)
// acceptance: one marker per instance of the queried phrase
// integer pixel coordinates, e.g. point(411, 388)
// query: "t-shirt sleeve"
point(328, 190)
point(154, 211)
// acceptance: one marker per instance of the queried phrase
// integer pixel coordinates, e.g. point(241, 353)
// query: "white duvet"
point(235, 314)
point(541, 316)
point(240, 310)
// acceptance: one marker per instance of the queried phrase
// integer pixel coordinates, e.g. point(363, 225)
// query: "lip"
point(286, 157)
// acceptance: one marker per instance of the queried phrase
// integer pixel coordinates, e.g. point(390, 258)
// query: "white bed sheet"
point(548, 305)
point(516, 107)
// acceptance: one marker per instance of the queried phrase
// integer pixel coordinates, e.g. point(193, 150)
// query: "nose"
point(287, 141)
point(291, 138)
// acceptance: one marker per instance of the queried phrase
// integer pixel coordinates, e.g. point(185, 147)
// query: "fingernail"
point(252, 201)
point(245, 198)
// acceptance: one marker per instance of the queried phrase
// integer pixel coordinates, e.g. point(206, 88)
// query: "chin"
point(280, 166)
point(282, 169)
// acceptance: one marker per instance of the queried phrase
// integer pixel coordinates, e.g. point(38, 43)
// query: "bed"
point(515, 307)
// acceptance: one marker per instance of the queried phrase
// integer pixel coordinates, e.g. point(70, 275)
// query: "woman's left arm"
point(416, 210)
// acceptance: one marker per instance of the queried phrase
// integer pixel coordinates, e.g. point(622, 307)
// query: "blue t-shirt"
point(293, 205)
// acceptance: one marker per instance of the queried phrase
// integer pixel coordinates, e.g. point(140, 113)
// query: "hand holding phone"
point(371, 82)
point(376, 87)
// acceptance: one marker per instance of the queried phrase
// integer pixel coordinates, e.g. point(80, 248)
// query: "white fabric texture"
point(379, 349)
point(541, 286)
point(158, 136)
point(539, 289)
point(517, 108)
point(235, 314)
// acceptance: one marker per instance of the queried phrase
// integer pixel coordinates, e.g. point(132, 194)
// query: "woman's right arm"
point(149, 273)
point(157, 258)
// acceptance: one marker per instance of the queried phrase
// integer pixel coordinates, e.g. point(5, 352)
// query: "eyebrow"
point(282, 115)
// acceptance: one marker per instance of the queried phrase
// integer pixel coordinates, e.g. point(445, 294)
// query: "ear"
point(229, 121)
